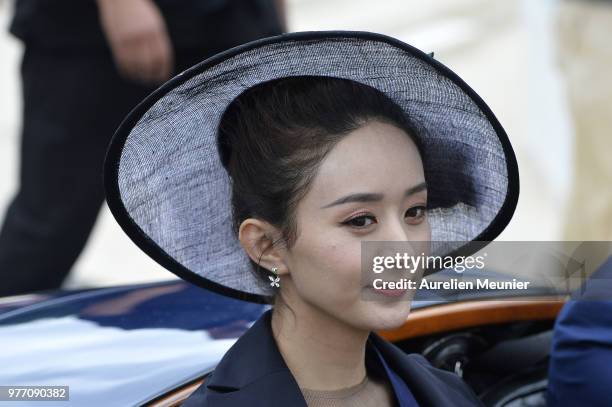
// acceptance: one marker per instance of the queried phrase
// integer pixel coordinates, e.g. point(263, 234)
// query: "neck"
point(322, 352)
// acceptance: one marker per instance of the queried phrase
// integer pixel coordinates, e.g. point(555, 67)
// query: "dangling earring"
point(275, 281)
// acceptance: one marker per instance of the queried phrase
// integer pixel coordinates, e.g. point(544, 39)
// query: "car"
point(153, 344)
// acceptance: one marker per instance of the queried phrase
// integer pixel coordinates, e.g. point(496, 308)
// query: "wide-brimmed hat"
point(168, 188)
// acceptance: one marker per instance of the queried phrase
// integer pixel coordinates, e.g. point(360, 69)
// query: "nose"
point(395, 231)
point(414, 240)
point(395, 238)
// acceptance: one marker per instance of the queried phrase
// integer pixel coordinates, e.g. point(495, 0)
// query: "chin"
point(388, 316)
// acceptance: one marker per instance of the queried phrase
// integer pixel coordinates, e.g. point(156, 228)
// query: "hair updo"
point(273, 137)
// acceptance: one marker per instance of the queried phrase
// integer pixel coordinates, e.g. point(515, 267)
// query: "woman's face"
point(325, 262)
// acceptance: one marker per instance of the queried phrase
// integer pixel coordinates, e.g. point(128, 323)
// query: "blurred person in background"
point(86, 64)
point(584, 51)
point(580, 368)
point(581, 356)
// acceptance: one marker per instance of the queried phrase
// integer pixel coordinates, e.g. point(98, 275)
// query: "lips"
point(388, 292)
point(391, 293)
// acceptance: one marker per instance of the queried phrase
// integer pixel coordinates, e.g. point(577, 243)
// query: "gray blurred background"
point(504, 49)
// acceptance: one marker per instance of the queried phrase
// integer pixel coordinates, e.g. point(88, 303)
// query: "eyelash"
point(362, 215)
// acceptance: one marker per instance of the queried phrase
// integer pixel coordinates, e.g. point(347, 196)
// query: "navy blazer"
point(580, 368)
point(253, 373)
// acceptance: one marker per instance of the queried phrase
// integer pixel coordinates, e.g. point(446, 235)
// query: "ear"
point(256, 237)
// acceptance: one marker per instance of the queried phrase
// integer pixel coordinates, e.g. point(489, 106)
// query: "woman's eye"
point(359, 221)
point(416, 212)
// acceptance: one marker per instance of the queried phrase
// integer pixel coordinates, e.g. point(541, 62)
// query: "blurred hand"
point(139, 41)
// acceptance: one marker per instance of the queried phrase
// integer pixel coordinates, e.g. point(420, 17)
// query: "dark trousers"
point(73, 100)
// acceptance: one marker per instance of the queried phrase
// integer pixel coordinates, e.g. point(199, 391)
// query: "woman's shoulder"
point(197, 397)
point(251, 370)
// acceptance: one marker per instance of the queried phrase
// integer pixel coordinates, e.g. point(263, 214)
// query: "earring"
point(275, 281)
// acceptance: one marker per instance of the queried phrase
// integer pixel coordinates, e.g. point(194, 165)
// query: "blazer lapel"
point(429, 385)
point(251, 373)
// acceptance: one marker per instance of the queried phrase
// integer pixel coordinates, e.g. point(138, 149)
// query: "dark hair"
point(274, 135)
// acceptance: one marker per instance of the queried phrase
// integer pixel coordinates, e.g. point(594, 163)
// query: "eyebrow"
point(374, 197)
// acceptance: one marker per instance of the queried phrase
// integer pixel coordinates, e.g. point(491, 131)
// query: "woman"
point(260, 172)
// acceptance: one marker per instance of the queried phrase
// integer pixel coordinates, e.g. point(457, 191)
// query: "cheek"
point(330, 268)
point(344, 263)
